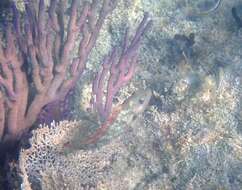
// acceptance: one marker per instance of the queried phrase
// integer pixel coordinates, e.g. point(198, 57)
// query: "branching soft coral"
point(36, 63)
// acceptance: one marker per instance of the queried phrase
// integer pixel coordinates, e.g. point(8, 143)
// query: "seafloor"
point(189, 137)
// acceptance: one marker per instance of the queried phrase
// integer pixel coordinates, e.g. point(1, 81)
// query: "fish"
point(137, 103)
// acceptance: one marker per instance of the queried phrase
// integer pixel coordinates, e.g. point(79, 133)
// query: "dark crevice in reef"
point(8, 168)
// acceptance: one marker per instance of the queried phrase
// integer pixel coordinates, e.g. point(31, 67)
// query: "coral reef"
point(189, 136)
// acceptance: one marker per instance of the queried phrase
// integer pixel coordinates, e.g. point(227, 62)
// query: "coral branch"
point(119, 69)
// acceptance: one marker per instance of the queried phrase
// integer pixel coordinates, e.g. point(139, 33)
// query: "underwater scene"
point(121, 94)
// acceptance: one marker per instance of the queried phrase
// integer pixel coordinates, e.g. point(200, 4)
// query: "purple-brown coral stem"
point(118, 69)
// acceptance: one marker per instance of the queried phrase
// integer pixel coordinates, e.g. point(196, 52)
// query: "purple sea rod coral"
point(36, 63)
point(118, 69)
point(38, 66)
